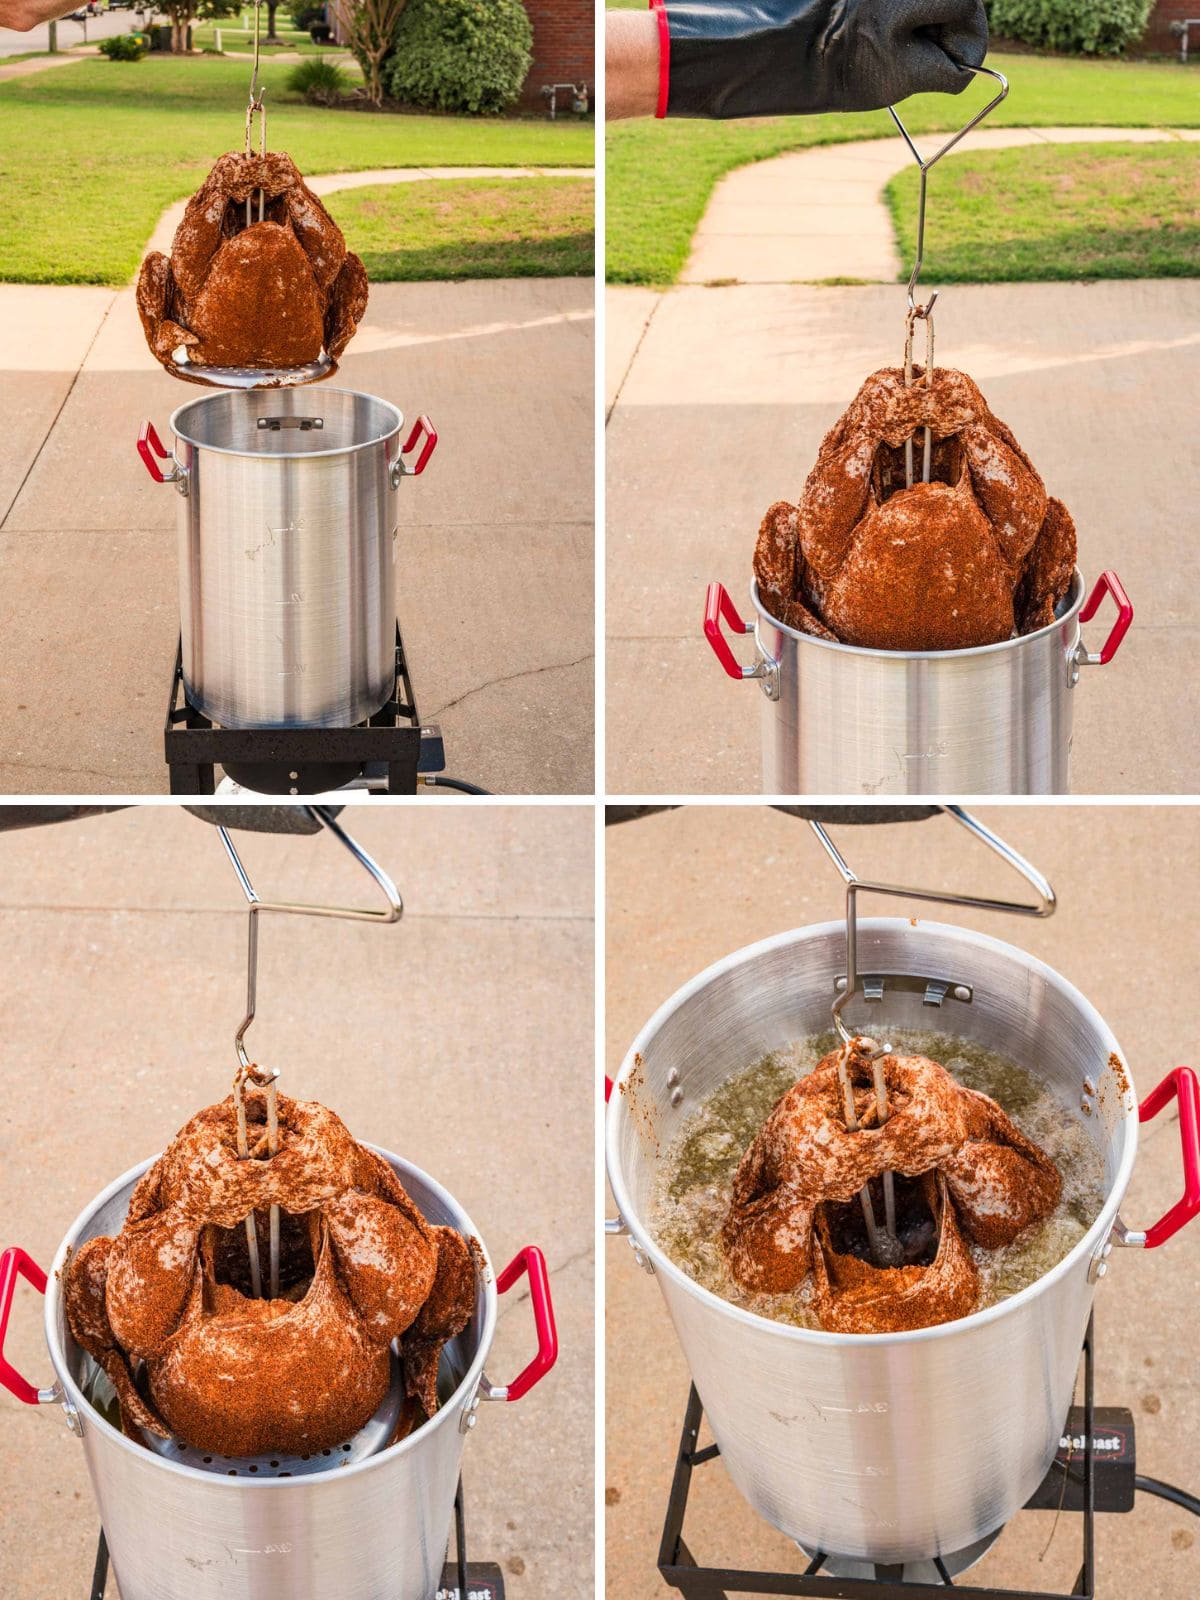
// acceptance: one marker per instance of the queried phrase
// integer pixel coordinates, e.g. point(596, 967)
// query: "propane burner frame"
point(391, 745)
point(680, 1570)
point(460, 1578)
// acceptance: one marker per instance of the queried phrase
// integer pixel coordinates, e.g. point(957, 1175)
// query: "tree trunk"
point(374, 82)
point(272, 7)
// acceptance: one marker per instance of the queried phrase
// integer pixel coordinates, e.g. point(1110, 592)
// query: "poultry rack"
point(883, 1241)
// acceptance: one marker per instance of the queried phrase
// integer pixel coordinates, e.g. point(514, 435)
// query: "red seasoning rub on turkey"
point(166, 1307)
point(977, 554)
point(239, 292)
point(964, 1174)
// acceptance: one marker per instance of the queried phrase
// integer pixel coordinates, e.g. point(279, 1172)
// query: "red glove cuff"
point(664, 56)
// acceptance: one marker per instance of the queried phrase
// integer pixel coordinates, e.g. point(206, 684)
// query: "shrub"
point(305, 15)
point(461, 55)
point(1084, 27)
point(125, 46)
point(321, 82)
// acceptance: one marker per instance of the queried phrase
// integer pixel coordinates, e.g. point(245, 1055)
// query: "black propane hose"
point(1168, 1491)
point(463, 787)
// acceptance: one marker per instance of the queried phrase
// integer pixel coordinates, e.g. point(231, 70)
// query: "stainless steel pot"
point(378, 1527)
point(868, 1446)
point(839, 719)
point(287, 524)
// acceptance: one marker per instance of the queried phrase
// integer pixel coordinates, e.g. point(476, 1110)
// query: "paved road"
point(70, 33)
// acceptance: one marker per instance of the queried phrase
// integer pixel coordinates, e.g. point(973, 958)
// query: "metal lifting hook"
point(884, 1243)
point(247, 1071)
point(254, 108)
point(925, 312)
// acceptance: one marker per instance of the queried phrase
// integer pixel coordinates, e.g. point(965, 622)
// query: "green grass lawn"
point(92, 154)
point(1058, 212)
point(661, 174)
point(242, 39)
point(471, 228)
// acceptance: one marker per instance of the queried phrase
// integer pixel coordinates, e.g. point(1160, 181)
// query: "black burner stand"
point(392, 745)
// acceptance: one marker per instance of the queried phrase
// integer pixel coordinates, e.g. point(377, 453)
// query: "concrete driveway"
point(461, 1037)
point(687, 887)
point(719, 398)
point(494, 559)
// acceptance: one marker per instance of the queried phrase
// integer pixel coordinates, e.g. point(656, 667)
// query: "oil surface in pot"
point(692, 1189)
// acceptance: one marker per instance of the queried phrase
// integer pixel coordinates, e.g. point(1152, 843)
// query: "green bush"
point(321, 82)
point(1083, 27)
point(125, 46)
point(461, 55)
point(305, 15)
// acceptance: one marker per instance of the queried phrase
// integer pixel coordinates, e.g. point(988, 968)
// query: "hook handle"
point(924, 166)
point(327, 818)
point(1043, 906)
point(392, 912)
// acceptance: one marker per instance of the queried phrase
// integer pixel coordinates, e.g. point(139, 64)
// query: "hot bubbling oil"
point(692, 1190)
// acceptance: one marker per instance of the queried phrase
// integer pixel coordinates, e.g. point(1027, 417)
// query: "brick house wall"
point(564, 46)
point(1158, 35)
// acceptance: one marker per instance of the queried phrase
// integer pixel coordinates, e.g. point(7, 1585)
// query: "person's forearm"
point(25, 14)
point(630, 64)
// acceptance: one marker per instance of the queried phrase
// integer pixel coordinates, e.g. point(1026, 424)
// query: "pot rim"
point(284, 455)
point(464, 1392)
point(1099, 1230)
point(1073, 600)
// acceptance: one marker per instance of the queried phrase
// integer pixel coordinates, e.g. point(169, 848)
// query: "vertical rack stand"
point(247, 1071)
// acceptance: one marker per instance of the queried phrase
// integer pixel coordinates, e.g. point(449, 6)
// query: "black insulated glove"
point(765, 58)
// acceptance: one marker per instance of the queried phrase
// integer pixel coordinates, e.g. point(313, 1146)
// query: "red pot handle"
point(717, 604)
point(1108, 583)
point(421, 426)
point(1184, 1086)
point(13, 1263)
point(531, 1260)
point(150, 446)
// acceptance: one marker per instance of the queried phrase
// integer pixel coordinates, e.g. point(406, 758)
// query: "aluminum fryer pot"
point(287, 521)
point(374, 1529)
point(841, 719)
point(868, 1446)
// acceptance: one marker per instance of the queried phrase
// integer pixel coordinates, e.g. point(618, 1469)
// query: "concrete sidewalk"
point(719, 400)
point(685, 888)
point(24, 69)
point(819, 215)
point(494, 559)
point(461, 1037)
